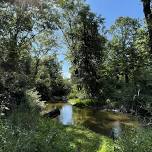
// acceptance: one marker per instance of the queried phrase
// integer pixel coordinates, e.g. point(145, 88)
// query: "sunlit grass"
point(19, 133)
point(88, 141)
point(107, 145)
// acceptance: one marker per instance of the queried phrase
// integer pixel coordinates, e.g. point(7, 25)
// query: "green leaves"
point(138, 140)
point(86, 51)
point(125, 32)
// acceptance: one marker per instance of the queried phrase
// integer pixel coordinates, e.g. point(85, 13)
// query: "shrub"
point(34, 100)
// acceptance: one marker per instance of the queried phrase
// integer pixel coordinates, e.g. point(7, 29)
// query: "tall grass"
point(135, 140)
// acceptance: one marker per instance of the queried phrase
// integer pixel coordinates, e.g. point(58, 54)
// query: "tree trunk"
point(148, 15)
point(126, 76)
point(36, 67)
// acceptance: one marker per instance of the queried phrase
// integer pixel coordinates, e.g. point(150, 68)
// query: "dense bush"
point(33, 99)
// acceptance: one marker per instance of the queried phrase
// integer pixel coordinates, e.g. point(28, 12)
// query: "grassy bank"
point(26, 132)
point(83, 102)
point(135, 140)
point(93, 103)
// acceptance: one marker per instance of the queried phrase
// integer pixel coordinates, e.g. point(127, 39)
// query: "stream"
point(99, 121)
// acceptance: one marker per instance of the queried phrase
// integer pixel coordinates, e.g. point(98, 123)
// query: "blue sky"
point(110, 10)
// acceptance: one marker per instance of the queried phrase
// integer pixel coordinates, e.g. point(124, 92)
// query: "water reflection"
point(98, 121)
point(66, 115)
point(116, 129)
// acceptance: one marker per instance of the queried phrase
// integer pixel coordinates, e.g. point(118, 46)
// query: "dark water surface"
point(99, 121)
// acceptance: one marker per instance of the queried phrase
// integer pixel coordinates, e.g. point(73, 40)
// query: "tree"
point(129, 62)
point(148, 15)
point(16, 26)
point(69, 10)
point(25, 32)
point(87, 52)
point(126, 56)
point(49, 81)
point(24, 3)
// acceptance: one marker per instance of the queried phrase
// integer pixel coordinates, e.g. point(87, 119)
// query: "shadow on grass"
point(26, 132)
point(87, 141)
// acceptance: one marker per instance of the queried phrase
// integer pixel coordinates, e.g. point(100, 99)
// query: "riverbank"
point(108, 106)
point(24, 131)
point(95, 104)
point(28, 132)
point(84, 102)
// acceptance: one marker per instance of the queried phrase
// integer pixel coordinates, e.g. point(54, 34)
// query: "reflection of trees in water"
point(97, 121)
point(94, 120)
point(81, 115)
point(103, 127)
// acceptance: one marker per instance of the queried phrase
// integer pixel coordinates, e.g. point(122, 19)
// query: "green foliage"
point(85, 102)
point(126, 57)
point(148, 16)
point(87, 52)
point(22, 133)
point(136, 141)
point(49, 81)
point(75, 93)
point(27, 35)
point(28, 132)
point(114, 72)
point(33, 99)
point(14, 57)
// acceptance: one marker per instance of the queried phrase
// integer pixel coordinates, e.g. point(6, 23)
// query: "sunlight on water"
point(66, 116)
point(102, 122)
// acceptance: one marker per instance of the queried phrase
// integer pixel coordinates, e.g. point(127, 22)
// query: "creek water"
point(99, 121)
